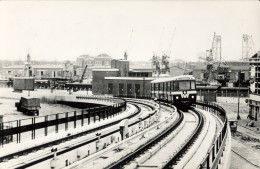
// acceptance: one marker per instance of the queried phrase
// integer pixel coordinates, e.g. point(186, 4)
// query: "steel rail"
point(70, 137)
point(73, 147)
point(213, 157)
point(126, 159)
point(188, 143)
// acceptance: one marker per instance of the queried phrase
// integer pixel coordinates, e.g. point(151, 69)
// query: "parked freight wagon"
point(23, 83)
point(29, 106)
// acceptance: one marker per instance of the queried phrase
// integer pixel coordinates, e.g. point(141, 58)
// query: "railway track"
point(129, 148)
point(176, 158)
point(61, 140)
point(47, 154)
point(127, 155)
point(136, 158)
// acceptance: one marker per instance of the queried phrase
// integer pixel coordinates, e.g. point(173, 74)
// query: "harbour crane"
point(248, 47)
point(156, 64)
point(128, 46)
point(163, 65)
point(82, 77)
point(166, 57)
point(217, 68)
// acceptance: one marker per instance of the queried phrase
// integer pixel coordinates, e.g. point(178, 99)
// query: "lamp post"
point(238, 116)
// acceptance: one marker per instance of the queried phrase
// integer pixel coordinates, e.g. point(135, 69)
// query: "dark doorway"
point(129, 89)
point(110, 88)
point(121, 89)
point(137, 89)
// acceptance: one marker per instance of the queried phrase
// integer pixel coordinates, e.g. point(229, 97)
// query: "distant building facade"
point(84, 60)
point(238, 71)
point(177, 71)
point(38, 71)
point(121, 80)
point(254, 97)
point(102, 60)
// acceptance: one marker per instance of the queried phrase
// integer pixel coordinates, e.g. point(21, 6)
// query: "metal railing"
point(21, 129)
point(215, 152)
point(148, 97)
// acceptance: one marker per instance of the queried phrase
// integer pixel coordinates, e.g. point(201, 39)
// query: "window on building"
point(9, 72)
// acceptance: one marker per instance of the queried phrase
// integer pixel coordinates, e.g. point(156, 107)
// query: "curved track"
point(188, 143)
point(141, 150)
point(149, 150)
point(47, 154)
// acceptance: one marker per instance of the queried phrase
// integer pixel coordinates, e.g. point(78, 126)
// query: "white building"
point(254, 97)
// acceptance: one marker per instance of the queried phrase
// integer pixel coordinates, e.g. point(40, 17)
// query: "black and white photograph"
point(122, 84)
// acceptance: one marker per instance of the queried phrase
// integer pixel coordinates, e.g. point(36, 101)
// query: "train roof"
point(168, 79)
point(235, 88)
point(208, 87)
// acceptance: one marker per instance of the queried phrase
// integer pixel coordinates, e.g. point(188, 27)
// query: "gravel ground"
point(8, 99)
point(246, 141)
point(239, 163)
point(10, 113)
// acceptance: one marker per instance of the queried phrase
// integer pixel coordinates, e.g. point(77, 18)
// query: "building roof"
point(99, 67)
point(35, 67)
point(24, 77)
point(106, 70)
point(140, 66)
point(168, 79)
point(103, 55)
point(256, 55)
point(240, 67)
point(83, 56)
point(200, 67)
point(140, 70)
point(130, 78)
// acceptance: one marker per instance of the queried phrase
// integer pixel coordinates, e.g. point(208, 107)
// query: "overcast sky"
point(64, 30)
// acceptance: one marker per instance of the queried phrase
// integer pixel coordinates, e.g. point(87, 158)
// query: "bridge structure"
point(112, 132)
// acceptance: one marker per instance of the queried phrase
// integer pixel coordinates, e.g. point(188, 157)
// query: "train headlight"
point(177, 97)
point(192, 97)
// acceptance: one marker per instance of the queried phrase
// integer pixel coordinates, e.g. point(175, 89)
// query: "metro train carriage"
point(179, 90)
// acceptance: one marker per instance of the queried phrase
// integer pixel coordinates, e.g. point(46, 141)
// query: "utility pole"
point(238, 116)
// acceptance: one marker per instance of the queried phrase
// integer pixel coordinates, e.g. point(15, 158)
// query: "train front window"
point(176, 86)
point(192, 85)
point(185, 85)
